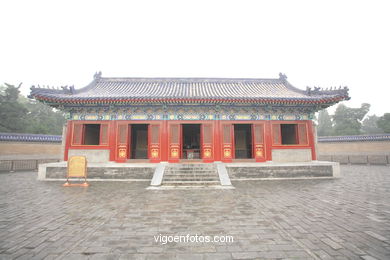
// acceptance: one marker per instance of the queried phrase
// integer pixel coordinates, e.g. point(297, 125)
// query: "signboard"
point(77, 168)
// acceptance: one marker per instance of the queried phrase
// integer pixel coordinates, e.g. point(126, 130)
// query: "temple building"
point(190, 119)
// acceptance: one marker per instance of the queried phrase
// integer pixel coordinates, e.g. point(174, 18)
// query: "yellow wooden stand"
point(77, 168)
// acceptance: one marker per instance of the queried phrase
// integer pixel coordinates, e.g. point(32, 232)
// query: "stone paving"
point(346, 218)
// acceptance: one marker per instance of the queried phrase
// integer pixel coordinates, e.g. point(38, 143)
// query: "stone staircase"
point(194, 175)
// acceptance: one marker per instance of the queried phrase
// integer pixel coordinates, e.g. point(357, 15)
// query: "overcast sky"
point(315, 43)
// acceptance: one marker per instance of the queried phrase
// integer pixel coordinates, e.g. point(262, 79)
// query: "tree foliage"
point(347, 121)
point(12, 113)
point(21, 115)
point(369, 125)
point(384, 123)
point(324, 123)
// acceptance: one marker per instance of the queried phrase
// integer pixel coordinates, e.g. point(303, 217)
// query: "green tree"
point(384, 123)
point(12, 113)
point(369, 125)
point(42, 119)
point(347, 121)
point(19, 114)
point(324, 123)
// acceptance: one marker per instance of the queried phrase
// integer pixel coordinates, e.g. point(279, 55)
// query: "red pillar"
point(312, 140)
point(164, 141)
point(112, 139)
point(69, 128)
point(217, 141)
point(268, 141)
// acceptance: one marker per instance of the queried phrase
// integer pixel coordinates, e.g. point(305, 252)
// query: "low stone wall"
point(270, 170)
point(356, 159)
point(354, 148)
point(104, 171)
point(92, 155)
point(291, 155)
point(24, 149)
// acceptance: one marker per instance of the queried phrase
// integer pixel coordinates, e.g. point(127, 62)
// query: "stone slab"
point(378, 159)
point(358, 159)
point(95, 155)
point(327, 158)
point(283, 170)
point(342, 159)
point(113, 171)
point(291, 155)
point(223, 174)
point(158, 174)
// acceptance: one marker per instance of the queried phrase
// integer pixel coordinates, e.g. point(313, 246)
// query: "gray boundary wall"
point(356, 159)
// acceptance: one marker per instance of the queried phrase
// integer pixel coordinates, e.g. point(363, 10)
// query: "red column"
point(164, 141)
point(112, 139)
point(310, 129)
point(69, 128)
point(268, 141)
point(217, 141)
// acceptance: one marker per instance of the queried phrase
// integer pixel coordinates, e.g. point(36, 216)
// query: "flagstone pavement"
point(347, 218)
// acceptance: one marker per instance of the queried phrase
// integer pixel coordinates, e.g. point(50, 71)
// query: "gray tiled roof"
point(106, 90)
point(13, 137)
point(354, 138)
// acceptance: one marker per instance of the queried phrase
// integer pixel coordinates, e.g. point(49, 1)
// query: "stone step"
point(190, 169)
point(191, 172)
point(190, 179)
point(190, 183)
point(188, 175)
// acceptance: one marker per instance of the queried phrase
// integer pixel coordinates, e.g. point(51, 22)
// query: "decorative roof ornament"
point(341, 91)
point(282, 76)
point(97, 75)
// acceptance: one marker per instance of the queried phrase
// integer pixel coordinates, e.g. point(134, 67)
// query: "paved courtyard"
point(346, 218)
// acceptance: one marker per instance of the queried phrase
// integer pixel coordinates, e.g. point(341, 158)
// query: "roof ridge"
point(189, 78)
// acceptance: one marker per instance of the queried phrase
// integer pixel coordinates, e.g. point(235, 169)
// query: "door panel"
point(154, 142)
point(258, 142)
point(122, 141)
point(174, 142)
point(227, 142)
point(207, 142)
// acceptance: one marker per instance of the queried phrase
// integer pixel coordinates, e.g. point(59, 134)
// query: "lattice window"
point(154, 134)
point(302, 132)
point(207, 134)
point(175, 134)
point(227, 138)
point(276, 133)
point(77, 134)
point(104, 134)
point(258, 133)
point(122, 134)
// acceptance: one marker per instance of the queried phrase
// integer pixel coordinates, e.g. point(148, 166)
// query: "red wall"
point(218, 146)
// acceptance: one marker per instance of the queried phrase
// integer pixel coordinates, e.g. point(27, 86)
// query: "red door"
point(174, 152)
point(122, 149)
point(154, 143)
point(227, 142)
point(207, 142)
point(258, 142)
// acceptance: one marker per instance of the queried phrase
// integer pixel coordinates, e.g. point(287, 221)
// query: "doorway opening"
point(243, 141)
point(191, 141)
point(139, 141)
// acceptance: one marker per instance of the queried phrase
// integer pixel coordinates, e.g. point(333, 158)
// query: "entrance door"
point(139, 141)
point(243, 141)
point(227, 143)
point(207, 152)
point(122, 142)
point(258, 140)
point(191, 141)
point(174, 130)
